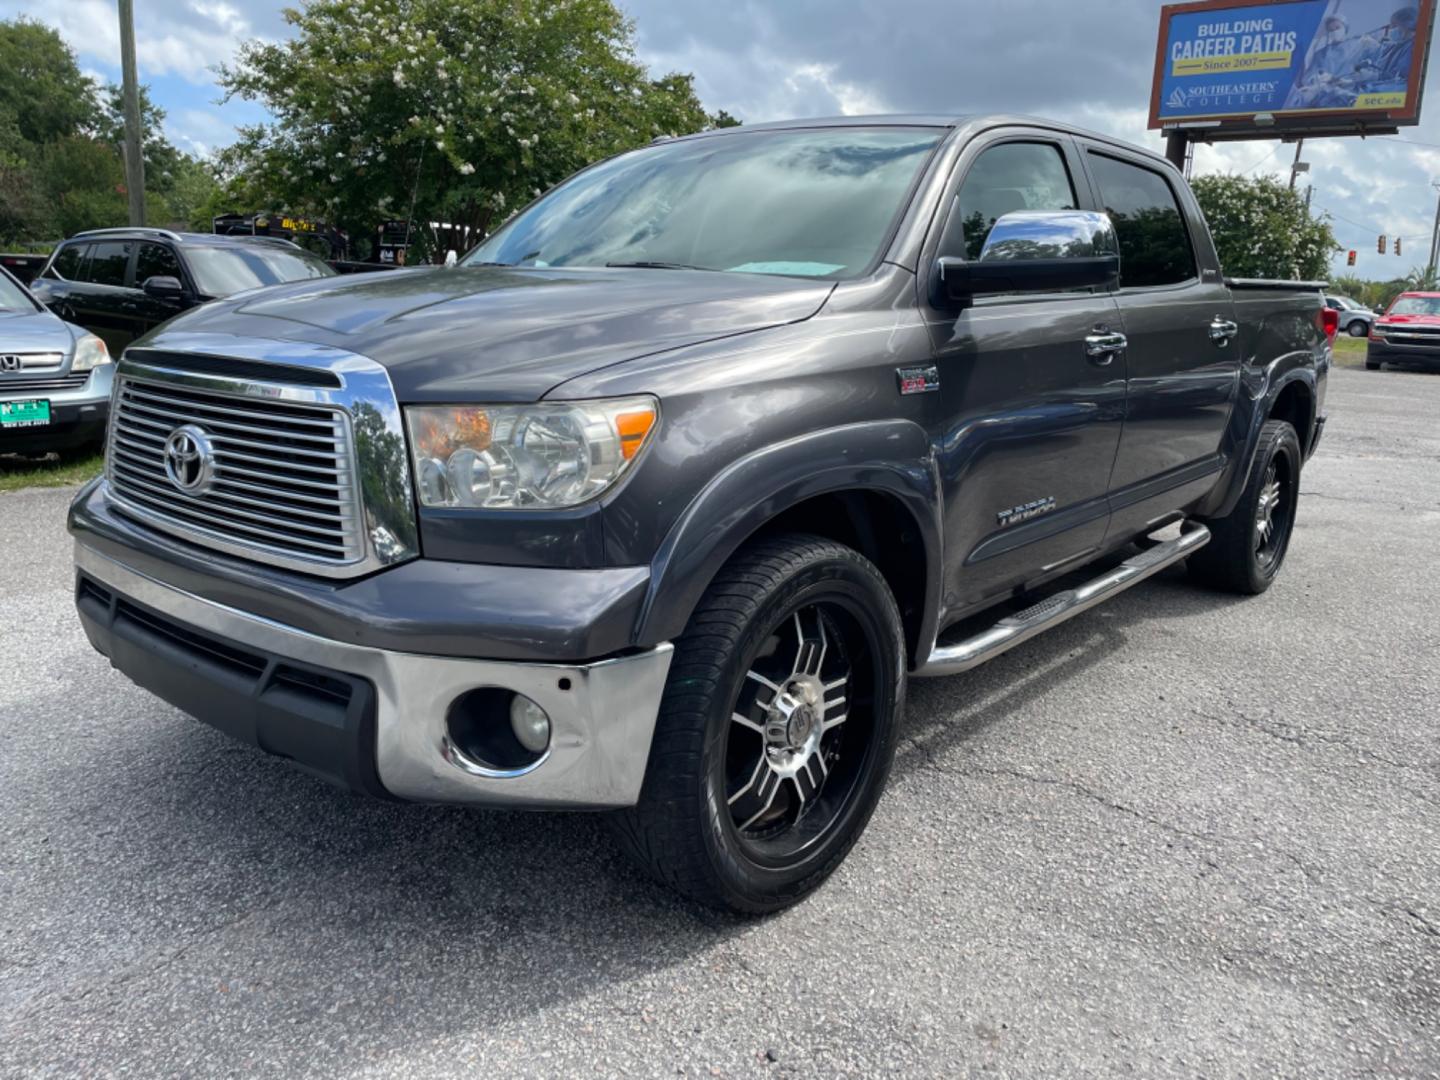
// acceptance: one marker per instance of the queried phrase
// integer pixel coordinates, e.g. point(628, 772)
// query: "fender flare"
point(1263, 388)
point(893, 457)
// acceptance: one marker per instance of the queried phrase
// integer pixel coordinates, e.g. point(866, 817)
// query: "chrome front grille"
point(35, 384)
point(281, 486)
point(1419, 334)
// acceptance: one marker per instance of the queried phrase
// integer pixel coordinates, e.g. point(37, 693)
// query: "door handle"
point(1222, 330)
point(1102, 346)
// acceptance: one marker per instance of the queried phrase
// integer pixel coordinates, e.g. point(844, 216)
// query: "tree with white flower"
point(1262, 229)
point(463, 107)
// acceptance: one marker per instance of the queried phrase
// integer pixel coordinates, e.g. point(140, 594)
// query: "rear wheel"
point(777, 728)
point(1248, 546)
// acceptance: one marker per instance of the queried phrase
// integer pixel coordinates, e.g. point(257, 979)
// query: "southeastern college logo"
point(1177, 99)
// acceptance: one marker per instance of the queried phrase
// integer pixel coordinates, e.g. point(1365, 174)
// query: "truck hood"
point(34, 331)
point(1410, 320)
point(507, 334)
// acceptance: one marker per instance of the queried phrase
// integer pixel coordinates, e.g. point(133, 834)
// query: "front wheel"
point(777, 728)
point(1358, 328)
point(1248, 546)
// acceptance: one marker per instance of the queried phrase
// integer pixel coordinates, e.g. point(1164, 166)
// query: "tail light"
point(1330, 323)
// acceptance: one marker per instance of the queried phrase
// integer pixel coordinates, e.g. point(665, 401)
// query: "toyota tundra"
point(654, 502)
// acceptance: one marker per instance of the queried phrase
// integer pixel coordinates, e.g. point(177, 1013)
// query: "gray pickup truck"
point(654, 502)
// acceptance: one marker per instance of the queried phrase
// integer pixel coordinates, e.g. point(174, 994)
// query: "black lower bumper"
point(321, 720)
point(1425, 357)
point(70, 426)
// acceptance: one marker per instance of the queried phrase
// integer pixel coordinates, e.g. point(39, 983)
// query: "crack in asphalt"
point(1367, 502)
point(153, 965)
point(1426, 926)
point(1300, 737)
point(1218, 839)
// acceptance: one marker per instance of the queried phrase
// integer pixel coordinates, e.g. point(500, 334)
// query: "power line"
point(1371, 228)
point(1264, 159)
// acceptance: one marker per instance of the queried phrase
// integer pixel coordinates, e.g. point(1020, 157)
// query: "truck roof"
point(976, 121)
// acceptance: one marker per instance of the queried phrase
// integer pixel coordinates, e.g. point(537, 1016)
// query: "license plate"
point(22, 414)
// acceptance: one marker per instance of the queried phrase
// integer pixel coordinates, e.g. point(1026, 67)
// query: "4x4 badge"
point(918, 380)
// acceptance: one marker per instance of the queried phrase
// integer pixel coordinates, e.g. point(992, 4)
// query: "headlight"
point(90, 352)
point(525, 456)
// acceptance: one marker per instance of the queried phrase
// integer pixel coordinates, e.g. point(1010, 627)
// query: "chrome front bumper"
point(602, 714)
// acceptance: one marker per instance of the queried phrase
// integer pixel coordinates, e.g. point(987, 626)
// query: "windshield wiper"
point(647, 264)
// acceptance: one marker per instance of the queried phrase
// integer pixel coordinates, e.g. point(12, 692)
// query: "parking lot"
point(1184, 834)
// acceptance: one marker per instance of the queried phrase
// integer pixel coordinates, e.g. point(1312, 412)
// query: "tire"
point(1358, 328)
point(1372, 365)
point(1247, 547)
point(792, 613)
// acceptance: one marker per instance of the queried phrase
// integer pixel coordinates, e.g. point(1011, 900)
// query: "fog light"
point(530, 723)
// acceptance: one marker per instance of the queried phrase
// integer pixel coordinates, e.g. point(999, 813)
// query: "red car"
point(1408, 335)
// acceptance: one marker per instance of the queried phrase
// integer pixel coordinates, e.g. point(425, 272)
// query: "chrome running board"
point(951, 659)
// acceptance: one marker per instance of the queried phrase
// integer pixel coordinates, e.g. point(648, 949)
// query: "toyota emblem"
point(189, 460)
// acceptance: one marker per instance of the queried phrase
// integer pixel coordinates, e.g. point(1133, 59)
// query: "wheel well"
point(1295, 405)
point(880, 528)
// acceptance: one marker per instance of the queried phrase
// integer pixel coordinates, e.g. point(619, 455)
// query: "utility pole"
point(1295, 169)
point(134, 152)
point(1435, 232)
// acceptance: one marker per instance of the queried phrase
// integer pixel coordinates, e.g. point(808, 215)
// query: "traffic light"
point(1381, 246)
point(1351, 260)
point(1397, 244)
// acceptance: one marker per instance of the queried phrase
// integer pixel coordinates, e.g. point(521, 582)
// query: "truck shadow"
point(383, 927)
point(945, 713)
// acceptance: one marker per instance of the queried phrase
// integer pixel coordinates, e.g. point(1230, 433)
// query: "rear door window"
point(1154, 242)
point(68, 262)
point(108, 260)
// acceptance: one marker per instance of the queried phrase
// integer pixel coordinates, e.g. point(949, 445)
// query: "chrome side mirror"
point(1036, 251)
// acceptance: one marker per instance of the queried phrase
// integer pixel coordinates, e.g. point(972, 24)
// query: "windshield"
point(808, 203)
point(13, 297)
point(220, 271)
point(1347, 304)
point(1416, 305)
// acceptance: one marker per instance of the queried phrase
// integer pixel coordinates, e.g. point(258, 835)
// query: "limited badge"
point(918, 380)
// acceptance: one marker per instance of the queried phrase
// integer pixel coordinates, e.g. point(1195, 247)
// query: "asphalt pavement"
point(1184, 834)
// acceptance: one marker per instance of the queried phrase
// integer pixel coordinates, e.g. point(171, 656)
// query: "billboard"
point(1336, 64)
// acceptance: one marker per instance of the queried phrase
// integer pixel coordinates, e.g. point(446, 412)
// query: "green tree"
point(162, 161)
point(83, 184)
point(1263, 229)
point(43, 94)
point(1350, 285)
point(1422, 279)
point(465, 108)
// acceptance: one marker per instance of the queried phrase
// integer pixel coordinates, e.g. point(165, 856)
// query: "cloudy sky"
point(1088, 62)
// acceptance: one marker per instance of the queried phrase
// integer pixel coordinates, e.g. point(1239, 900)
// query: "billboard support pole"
point(1295, 167)
point(1175, 143)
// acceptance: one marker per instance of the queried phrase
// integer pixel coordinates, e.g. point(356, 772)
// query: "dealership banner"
point(1222, 59)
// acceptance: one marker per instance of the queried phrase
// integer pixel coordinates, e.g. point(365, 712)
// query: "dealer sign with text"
point(1299, 61)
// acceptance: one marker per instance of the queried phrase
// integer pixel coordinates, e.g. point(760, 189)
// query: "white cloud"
point(186, 39)
point(851, 98)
